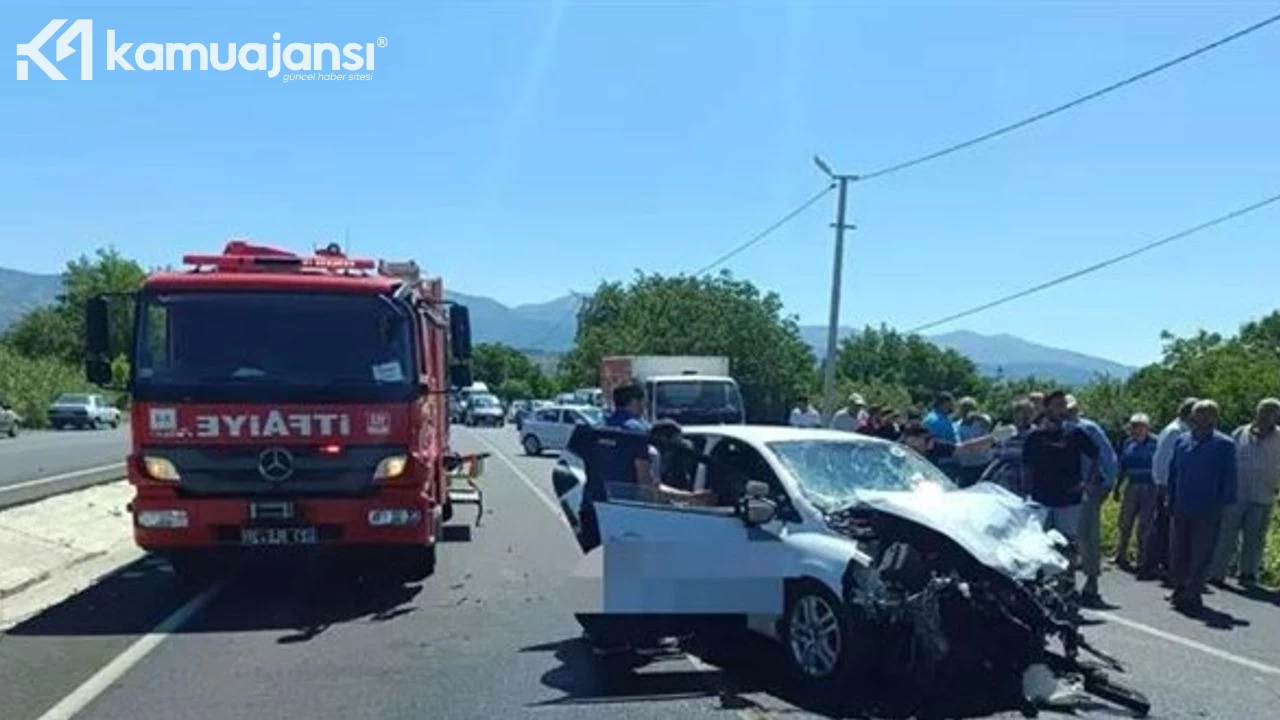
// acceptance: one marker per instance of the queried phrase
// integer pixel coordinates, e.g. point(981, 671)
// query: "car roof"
point(761, 434)
point(567, 406)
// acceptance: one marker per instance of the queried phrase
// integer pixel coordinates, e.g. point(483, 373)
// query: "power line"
point(1098, 266)
point(767, 231)
point(1071, 104)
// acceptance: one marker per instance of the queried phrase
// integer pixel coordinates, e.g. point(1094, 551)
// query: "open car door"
point(661, 557)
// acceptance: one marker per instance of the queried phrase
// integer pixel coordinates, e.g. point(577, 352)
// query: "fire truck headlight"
point(393, 516)
point(163, 519)
point(159, 468)
point(391, 467)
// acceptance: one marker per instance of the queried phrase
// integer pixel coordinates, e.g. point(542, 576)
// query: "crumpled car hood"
point(995, 526)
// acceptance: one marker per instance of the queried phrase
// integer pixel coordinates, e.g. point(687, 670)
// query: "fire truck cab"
point(282, 401)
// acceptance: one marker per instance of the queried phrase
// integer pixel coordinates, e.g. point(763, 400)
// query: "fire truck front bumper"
point(164, 520)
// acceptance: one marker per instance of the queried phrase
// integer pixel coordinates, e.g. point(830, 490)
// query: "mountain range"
point(545, 330)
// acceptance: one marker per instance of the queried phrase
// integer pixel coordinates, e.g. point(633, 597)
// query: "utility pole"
point(833, 327)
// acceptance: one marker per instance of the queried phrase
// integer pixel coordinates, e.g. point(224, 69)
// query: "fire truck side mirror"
point(460, 375)
point(97, 341)
point(460, 333)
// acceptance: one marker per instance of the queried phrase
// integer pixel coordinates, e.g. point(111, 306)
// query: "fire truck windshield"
point(273, 346)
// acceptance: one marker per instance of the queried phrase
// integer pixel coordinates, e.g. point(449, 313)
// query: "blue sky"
point(523, 149)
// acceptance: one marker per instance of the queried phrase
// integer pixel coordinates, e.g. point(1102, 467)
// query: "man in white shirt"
point(1157, 546)
point(805, 415)
point(852, 416)
point(1244, 524)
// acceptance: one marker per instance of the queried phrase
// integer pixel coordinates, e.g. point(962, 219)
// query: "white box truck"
point(690, 389)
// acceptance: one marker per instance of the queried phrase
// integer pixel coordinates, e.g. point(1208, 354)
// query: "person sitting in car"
point(672, 464)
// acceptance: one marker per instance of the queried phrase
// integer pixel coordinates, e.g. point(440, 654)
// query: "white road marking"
point(551, 504)
point(1188, 643)
point(90, 689)
point(63, 476)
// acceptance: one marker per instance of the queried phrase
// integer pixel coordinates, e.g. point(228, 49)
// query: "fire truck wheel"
point(193, 569)
point(418, 563)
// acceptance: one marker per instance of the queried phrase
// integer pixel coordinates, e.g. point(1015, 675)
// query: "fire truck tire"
point(418, 563)
point(193, 569)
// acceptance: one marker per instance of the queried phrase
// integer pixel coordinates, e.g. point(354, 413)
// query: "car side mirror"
point(758, 511)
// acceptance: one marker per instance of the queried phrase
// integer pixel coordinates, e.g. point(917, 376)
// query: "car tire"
point(531, 445)
point(820, 641)
point(13, 430)
point(115, 423)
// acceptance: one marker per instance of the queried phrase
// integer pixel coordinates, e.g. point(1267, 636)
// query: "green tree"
point(57, 331)
point(906, 361)
point(501, 366)
point(708, 315)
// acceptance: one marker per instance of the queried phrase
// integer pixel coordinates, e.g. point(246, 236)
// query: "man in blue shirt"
point(938, 423)
point(1140, 493)
point(1202, 482)
point(626, 462)
point(1090, 534)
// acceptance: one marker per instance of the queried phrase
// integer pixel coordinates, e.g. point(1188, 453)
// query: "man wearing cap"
point(1095, 491)
point(1245, 523)
point(1139, 501)
point(852, 416)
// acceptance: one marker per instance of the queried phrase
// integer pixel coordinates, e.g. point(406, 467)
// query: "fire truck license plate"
point(278, 536)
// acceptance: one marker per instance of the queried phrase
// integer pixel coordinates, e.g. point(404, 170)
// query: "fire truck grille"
point(272, 470)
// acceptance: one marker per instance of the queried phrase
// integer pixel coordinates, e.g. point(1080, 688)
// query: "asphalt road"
point(41, 462)
point(490, 635)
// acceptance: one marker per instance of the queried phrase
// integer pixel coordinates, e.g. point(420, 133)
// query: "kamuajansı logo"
point(150, 56)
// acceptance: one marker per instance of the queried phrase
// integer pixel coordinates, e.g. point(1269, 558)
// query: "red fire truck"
point(287, 400)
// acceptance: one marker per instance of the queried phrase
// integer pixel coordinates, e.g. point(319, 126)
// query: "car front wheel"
point(820, 641)
point(531, 445)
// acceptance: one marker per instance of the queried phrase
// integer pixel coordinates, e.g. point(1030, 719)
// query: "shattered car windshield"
point(831, 472)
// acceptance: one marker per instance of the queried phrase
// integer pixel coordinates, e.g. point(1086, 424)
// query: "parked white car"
point(83, 410)
point(859, 556)
point(551, 427)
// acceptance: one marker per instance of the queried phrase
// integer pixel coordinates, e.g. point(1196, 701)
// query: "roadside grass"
point(1271, 561)
point(30, 385)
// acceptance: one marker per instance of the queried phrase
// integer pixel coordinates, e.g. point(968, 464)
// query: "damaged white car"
point(859, 556)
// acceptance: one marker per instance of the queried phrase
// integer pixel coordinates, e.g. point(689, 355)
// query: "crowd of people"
point(1195, 502)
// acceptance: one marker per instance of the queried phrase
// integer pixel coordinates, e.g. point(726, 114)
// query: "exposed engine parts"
point(943, 623)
